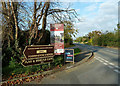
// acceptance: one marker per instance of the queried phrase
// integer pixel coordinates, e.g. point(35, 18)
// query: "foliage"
point(78, 39)
point(77, 50)
point(13, 63)
point(68, 45)
point(103, 39)
point(69, 31)
point(16, 68)
point(58, 60)
point(25, 23)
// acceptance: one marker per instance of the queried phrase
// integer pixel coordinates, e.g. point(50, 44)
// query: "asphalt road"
point(102, 69)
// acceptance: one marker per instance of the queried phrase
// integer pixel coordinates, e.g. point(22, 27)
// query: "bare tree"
point(16, 25)
point(41, 13)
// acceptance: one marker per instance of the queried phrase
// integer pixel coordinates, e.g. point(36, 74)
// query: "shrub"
point(58, 60)
point(77, 50)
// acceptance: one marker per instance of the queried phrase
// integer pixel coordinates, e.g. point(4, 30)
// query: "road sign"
point(38, 54)
point(69, 55)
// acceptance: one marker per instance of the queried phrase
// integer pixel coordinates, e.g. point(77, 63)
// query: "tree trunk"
point(16, 26)
point(45, 16)
point(35, 24)
point(33, 29)
point(9, 26)
point(44, 20)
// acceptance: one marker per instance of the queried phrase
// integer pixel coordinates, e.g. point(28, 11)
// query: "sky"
point(95, 16)
point(119, 12)
point(99, 15)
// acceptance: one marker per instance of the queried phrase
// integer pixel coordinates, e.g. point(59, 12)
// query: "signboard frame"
point(25, 58)
point(65, 56)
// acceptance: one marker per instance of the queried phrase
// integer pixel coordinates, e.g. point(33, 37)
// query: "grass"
point(77, 51)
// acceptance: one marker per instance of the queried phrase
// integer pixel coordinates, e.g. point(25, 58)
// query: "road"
point(102, 69)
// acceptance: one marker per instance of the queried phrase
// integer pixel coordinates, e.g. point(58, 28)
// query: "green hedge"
point(77, 51)
point(17, 68)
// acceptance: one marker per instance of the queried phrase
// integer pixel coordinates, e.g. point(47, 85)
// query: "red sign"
point(57, 27)
point(69, 55)
point(57, 38)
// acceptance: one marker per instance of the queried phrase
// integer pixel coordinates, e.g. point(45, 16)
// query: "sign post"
point(69, 55)
point(38, 54)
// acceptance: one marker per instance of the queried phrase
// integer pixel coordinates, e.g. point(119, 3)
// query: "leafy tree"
point(78, 39)
point(104, 39)
point(69, 31)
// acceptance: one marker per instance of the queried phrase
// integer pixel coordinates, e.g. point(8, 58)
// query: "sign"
point(37, 54)
point(69, 55)
point(57, 38)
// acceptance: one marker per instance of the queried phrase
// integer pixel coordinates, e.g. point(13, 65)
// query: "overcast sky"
point(96, 16)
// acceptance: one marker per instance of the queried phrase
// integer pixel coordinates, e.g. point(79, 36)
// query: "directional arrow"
point(37, 54)
point(37, 51)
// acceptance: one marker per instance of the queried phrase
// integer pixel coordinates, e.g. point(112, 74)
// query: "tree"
point(10, 30)
point(69, 31)
point(78, 39)
point(42, 10)
point(16, 25)
point(93, 36)
point(25, 24)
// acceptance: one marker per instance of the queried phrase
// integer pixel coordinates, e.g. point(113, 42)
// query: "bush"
point(6, 57)
point(58, 60)
point(69, 40)
point(13, 63)
point(17, 68)
point(77, 50)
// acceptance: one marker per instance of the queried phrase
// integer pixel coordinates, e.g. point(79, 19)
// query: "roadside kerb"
point(82, 61)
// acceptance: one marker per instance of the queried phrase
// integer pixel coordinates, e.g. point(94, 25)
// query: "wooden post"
point(49, 65)
point(73, 56)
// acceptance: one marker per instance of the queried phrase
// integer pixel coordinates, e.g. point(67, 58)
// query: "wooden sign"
point(69, 55)
point(38, 54)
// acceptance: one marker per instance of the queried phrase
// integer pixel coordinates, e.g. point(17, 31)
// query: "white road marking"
point(96, 58)
point(105, 63)
point(99, 57)
point(117, 66)
point(117, 71)
point(111, 51)
point(100, 60)
point(111, 63)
